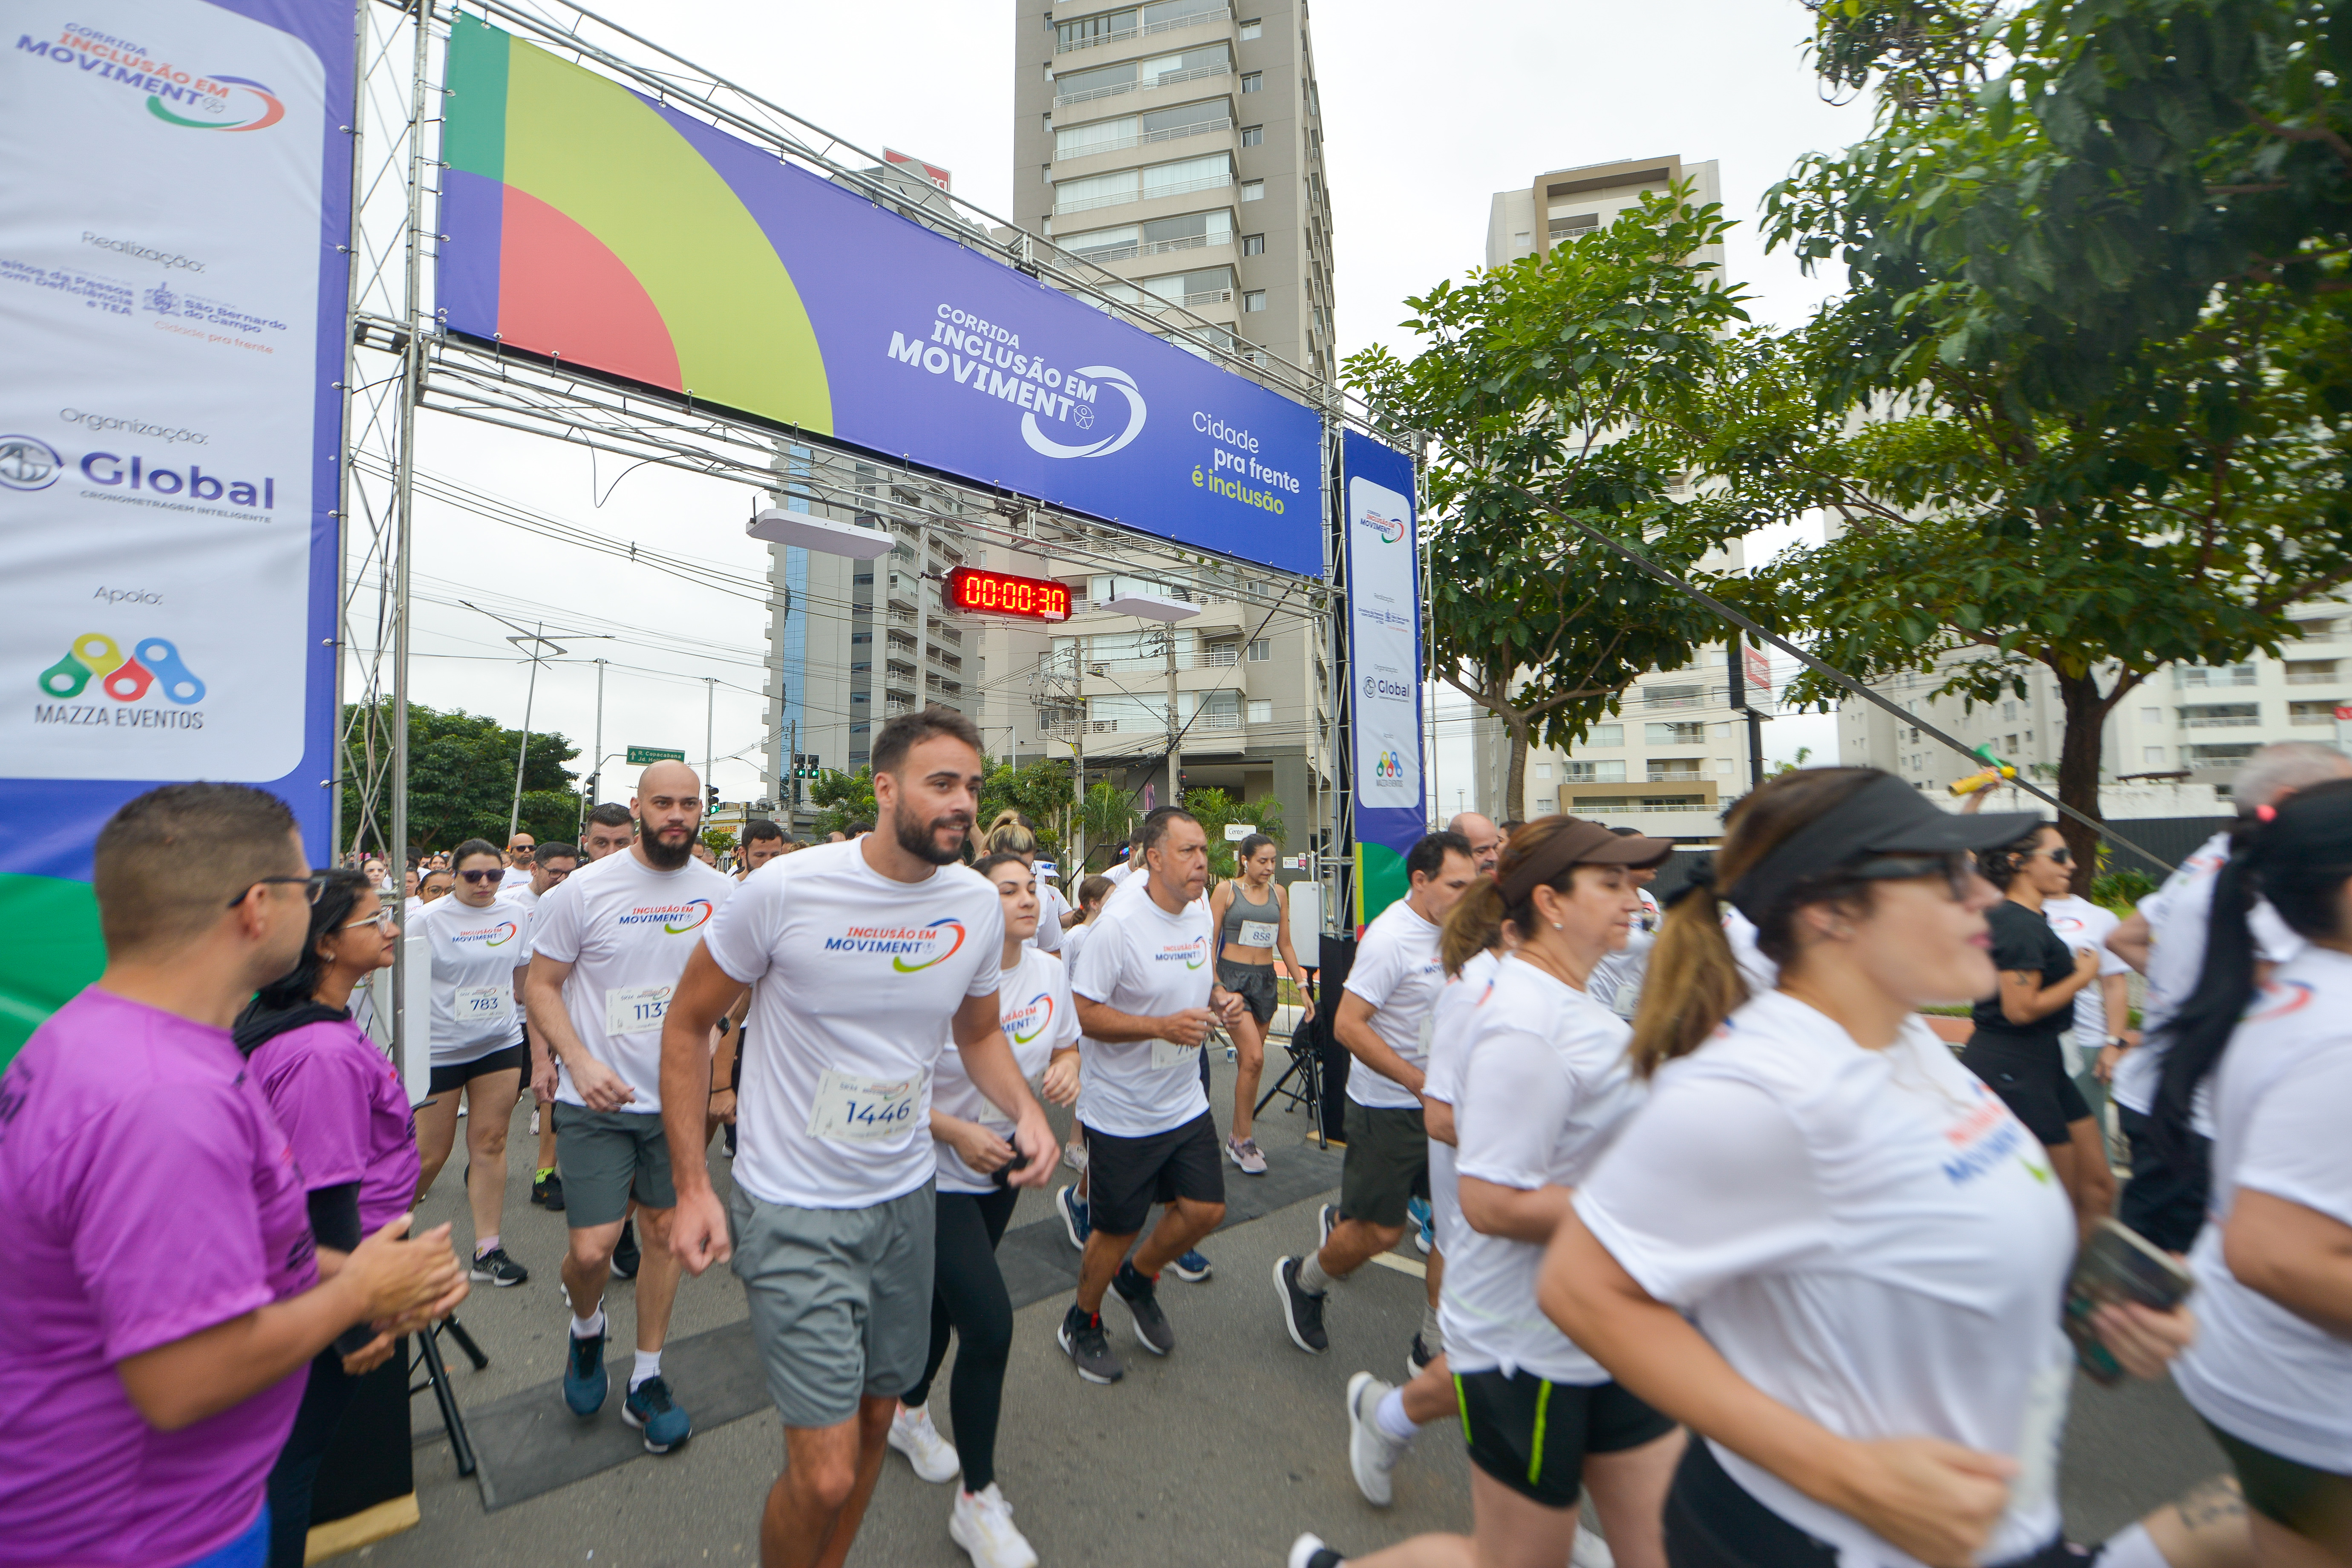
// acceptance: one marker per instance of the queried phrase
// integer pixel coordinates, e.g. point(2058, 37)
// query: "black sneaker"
point(1415, 1359)
point(495, 1269)
point(1302, 1311)
point(625, 1256)
point(1082, 1339)
point(548, 1193)
point(1142, 1298)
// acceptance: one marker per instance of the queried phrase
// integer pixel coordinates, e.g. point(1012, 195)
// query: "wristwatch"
point(2119, 1042)
point(725, 1025)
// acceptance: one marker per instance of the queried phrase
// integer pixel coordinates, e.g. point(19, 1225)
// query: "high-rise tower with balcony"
point(1179, 144)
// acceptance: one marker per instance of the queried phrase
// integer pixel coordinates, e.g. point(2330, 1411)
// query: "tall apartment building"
point(2183, 732)
point(1678, 750)
point(1179, 144)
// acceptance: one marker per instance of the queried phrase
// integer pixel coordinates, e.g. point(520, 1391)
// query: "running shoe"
point(1302, 1311)
point(1372, 1454)
point(1243, 1152)
point(1424, 1232)
point(650, 1409)
point(1073, 1155)
point(981, 1523)
point(1142, 1298)
point(1073, 1210)
point(584, 1385)
point(495, 1269)
point(625, 1256)
point(1309, 1551)
point(1592, 1552)
point(548, 1193)
point(1326, 1220)
point(1193, 1267)
point(1415, 1359)
point(933, 1456)
point(1082, 1339)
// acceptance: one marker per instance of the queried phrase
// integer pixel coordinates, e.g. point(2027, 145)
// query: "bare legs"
point(816, 1505)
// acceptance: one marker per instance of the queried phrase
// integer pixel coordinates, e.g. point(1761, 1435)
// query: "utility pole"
point(596, 757)
point(531, 694)
point(710, 728)
point(1736, 688)
point(1175, 730)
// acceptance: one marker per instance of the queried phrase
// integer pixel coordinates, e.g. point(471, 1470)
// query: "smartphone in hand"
point(2118, 1264)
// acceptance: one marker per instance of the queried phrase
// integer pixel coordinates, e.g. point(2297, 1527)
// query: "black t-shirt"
point(2022, 939)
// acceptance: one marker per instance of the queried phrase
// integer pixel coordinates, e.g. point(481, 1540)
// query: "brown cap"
point(1579, 842)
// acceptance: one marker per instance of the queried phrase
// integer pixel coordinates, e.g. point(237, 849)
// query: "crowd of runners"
point(1731, 1260)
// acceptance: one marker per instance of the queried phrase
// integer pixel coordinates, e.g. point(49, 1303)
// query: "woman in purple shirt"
point(347, 1116)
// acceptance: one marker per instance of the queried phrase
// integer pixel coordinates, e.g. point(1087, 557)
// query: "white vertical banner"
point(1383, 565)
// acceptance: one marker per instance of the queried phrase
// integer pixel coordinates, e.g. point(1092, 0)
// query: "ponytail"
point(1692, 983)
point(1475, 925)
point(1008, 834)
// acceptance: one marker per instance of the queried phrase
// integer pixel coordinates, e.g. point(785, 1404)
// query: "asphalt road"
point(1221, 1453)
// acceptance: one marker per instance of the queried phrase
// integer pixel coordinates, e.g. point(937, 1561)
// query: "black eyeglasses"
point(555, 876)
point(482, 876)
point(1958, 870)
point(2062, 855)
point(312, 886)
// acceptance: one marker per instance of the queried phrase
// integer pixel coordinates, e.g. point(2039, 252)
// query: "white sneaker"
point(981, 1523)
point(1372, 1454)
point(933, 1456)
point(1592, 1552)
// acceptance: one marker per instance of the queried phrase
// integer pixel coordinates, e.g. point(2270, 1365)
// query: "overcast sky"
point(1425, 117)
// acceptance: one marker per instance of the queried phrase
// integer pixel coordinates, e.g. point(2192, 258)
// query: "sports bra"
point(1241, 916)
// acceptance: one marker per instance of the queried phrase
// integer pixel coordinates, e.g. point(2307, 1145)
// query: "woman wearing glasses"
point(347, 1121)
point(1822, 1244)
point(2015, 1047)
point(480, 942)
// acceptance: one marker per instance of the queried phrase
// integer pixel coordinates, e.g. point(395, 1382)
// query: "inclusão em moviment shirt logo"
point(497, 935)
point(196, 100)
point(1029, 1021)
point(1193, 953)
point(934, 941)
point(675, 920)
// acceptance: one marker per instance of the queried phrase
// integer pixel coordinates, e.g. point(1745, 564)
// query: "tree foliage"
point(842, 799)
point(1215, 809)
point(1594, 382)
point(461, 775)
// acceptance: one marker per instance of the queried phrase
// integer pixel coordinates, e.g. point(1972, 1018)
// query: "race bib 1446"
point(858, 1109)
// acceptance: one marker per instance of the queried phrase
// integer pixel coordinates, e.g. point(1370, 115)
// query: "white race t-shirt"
point(1545, 1087)
point(1073, 941)
point(1050, 905)
point(515, 876)
point(1145, 961)
point(476, 955)
point(2282, 1101)
point(1869, 1237)
point(2176, 914)
point(859, 981)
point(2081, 924)
point(1039, 1019)
point(627, 930)
point(1117, 875)
point(522, 895)
point(1396, 972)
point(1760, 972)
point(1616, 981)
point(1449, 1036)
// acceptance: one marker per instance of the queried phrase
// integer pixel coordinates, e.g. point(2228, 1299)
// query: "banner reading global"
point(587, 224)
point(172, 300)
point(1383, 667)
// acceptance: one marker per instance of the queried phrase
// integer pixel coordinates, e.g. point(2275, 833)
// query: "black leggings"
point(324, 1399)
point(968, 1296)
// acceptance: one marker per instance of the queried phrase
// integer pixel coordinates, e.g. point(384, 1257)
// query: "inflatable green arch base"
point(52, 951)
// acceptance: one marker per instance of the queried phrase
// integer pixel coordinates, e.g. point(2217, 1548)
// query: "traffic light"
point(711, 808)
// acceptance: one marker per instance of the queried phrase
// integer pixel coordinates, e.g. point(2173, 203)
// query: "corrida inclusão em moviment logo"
point(194, 100)
point(1390, 529)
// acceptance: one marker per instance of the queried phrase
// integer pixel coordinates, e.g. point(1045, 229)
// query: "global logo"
point(695, 912)
point(1390, 529)
point(1030, 1022)
point(935, 930)
point(1104, 375)
point(268, 113)
point(28, 463)
point(94, 655)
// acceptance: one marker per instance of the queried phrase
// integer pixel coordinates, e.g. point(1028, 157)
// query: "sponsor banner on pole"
point(1383, 666)
point(585, 223)
point(171, 301)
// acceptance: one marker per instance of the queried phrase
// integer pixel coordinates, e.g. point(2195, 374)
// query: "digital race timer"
point(995, 593)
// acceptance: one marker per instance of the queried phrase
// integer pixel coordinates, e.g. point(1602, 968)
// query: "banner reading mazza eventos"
point(172, 300)
point(1383, 667)
point(585, 223)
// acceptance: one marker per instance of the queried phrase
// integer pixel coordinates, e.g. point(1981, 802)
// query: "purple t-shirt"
point(146, 1194)
point(342, 1106)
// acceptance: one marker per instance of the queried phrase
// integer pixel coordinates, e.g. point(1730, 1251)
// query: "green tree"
point(719, 840)
point(842, 799)
point(1111, 816)
point(461, 775)
point(1039, 791)
point(1215, 808)
point(1576, 385)
point(2037, 455)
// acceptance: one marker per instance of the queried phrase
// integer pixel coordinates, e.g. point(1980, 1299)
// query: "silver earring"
point(1555, 925)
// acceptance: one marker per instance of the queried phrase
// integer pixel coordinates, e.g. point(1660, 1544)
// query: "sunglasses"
point(478, 877)
point(1958, 870)
point(2062, 855)
point(380, 919)
point(311, 884)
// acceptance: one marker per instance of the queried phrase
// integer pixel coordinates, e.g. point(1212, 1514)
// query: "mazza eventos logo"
point(126, 677)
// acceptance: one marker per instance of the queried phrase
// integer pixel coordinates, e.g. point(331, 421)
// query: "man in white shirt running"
point(522, 850)
point(1146, 996)
point(869, 957)
point(608, 945)
point(1384, 1021)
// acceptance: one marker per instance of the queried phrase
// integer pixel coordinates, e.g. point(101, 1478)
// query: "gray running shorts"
point(609, 1157)
point(841, 1299)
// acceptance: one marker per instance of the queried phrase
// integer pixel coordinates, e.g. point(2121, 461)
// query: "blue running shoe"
point(1425, 1236)
point(584, 1384)
point(650, 1409)
point(1192, 1268)
point(1073, 1210)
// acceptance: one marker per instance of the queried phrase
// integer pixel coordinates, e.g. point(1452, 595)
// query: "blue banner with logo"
point(171, 306)
point(1384, 550)
point(584, 223)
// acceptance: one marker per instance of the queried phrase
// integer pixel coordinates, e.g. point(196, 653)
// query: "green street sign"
point(645, 757)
